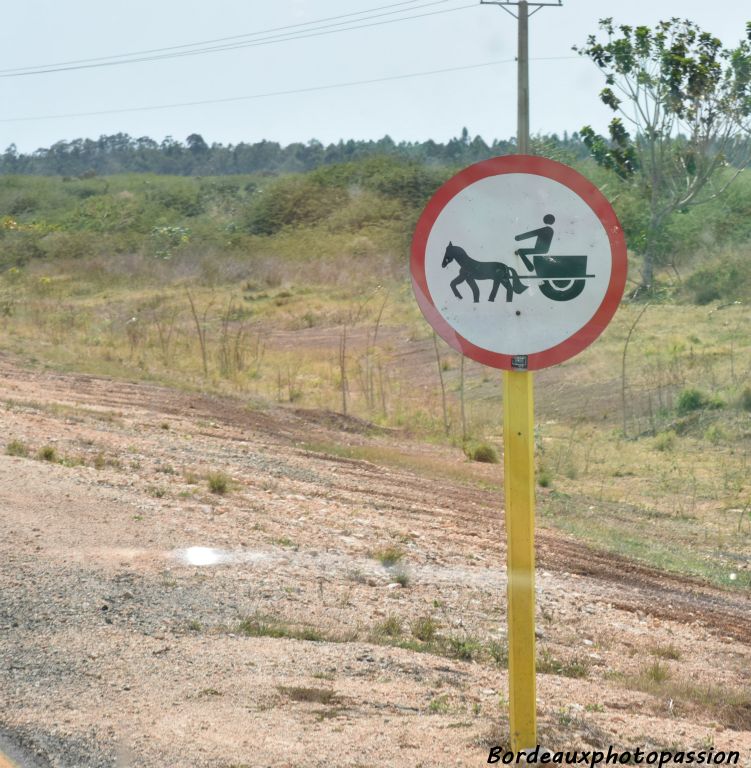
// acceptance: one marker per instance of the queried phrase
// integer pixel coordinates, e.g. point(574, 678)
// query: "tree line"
point(121, 153)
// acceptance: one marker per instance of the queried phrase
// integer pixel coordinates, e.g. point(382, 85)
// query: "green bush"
point(292, 201)
point(23, 203)
point(725, 280)
point(483, 452)
point(691, 399)
point(745, 399)
point(180, 195)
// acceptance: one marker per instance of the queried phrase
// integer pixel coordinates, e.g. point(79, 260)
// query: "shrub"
point(424, 628)
point(656, 672)
point(544, 477)
point(665, 441)
point(391, 626)
point(498, 652)
point(179, 195)
point(714, 434)
point(389, 555)
point(47, 453)
point(464, 648)
point(16, 448)
point(292, 201)
point(691, 399)
point(745, 399)
point(723, 280)
point(218, 482)
point(401, 577)
point(483, 452)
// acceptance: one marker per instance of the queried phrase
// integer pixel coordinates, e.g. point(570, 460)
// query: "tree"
point(196, 144)
point(685, 97)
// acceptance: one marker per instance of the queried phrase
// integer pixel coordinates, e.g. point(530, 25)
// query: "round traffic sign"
point(518, 262)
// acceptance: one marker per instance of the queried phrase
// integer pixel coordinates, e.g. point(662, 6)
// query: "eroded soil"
point(125, 581)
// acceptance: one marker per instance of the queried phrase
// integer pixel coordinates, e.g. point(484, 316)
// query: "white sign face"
point(474, 221)
point(518, 264)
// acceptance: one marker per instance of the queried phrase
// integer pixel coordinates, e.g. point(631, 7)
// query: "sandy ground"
point(124, 582)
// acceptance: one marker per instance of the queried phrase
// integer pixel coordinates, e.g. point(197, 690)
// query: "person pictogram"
point(544, 237)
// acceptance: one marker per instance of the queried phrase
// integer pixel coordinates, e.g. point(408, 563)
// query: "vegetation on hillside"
point(294, 289)
point(355, 209)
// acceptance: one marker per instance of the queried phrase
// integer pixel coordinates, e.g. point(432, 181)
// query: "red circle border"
point(539, 166)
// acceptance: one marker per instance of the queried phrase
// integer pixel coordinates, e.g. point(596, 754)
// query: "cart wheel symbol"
point(562, 290)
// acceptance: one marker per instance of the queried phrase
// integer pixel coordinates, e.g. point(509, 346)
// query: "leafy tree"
point(685, 98)
point(196, 144)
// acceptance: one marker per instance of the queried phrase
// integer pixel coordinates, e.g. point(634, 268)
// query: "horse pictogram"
point(563, 277)
point(471, 270)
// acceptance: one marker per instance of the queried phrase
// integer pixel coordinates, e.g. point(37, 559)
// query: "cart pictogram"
point(563, 277)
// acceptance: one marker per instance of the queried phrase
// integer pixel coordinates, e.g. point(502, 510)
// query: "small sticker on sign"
point(519, 362)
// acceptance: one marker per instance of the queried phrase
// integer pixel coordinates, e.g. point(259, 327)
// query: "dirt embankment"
point(147, 621)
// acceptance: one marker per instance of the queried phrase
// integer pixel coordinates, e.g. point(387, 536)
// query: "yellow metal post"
point(519, 483)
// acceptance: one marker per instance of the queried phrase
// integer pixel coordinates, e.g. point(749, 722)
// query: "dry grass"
point(727, 705)
point(677, 477)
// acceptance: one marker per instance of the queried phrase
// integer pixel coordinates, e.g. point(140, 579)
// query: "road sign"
point(518, 262)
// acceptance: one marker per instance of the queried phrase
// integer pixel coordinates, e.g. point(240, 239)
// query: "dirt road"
point(147, 621)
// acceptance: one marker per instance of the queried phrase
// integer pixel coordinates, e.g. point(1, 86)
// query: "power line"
point(214, 40)
point(286, 37)
point(290, 92)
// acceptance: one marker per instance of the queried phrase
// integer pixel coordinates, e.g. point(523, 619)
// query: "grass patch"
point(547, 664)
point(498, 652)
point(425, 466)
point(208, 693)
point(401, 577)
point(663, 541)
point(729, 706)
point(218, 482)
point(390, 627)
point(666, 652)
point(259, 625)
point(656, 672)
point(47, 453)
point(439, 705)
point(424, 628)
point(544, 477)
point(466, 648)
point(665, 441)
point(309, 695)
point(16, 448)
point(388, 556)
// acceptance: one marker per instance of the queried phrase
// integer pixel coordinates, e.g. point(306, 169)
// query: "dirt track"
point(117, 649)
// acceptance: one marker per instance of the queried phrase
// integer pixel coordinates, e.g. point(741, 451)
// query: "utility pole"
point(522, 58)
point(519, 466)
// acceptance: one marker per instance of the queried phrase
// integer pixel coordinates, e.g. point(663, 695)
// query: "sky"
point(442, 35)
